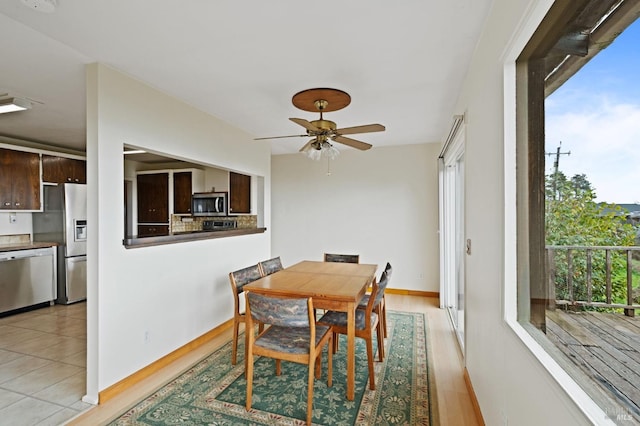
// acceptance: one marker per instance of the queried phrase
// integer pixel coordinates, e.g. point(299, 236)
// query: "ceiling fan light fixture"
point(314, 154)
point(329, 150)
point(312, 150)
point(317, 149)
point(13, 105)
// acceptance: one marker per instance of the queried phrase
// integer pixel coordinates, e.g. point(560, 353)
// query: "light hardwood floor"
point(454, 402)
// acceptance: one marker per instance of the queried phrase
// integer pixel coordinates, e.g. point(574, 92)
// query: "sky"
point(595, 115)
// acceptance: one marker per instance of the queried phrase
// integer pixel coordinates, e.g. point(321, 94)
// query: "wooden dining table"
point(332, 286)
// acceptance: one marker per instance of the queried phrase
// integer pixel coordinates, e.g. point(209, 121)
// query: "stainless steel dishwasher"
point(27, 277)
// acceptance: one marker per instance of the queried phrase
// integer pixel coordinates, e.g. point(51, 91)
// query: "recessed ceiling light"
point(44, 6)
point(14, 104)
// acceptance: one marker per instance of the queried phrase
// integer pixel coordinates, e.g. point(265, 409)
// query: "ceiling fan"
point(323, 131)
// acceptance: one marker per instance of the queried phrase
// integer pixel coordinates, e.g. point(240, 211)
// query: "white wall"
point(22, 225)
point(171, 293)
point(218, 179)
point(380, 203)
point(512, 386)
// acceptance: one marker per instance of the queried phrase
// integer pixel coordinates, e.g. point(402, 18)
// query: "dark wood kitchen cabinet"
point(61, 169)
point(239, 193)
point(182, 190)
point(19, 180)
point(152, 230)
point(153, 198)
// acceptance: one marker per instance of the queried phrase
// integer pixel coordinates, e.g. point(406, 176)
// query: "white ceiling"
point(403, 63)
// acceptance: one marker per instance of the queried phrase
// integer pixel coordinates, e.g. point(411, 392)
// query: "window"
point(568, 37)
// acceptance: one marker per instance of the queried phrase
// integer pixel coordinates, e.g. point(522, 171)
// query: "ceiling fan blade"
point(280, 137)
point(307, 145)
point(352, 142)
point(367, 128)
point(306, 124)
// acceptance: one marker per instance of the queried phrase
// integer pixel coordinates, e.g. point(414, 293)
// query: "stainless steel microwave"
point(209, 204)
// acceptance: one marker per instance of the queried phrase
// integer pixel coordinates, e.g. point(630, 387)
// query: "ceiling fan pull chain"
point(328, 166)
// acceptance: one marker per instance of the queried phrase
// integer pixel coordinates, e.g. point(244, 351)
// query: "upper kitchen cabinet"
point(61, 170)
point(182, 190)
point(153, 198)
point(19, 180)
point(239, 193)
point(186, 183)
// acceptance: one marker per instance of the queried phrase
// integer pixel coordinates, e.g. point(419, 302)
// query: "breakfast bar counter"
point(180, 237)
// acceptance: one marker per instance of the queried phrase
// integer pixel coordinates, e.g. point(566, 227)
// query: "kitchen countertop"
point(25, 246)
point(180, 237)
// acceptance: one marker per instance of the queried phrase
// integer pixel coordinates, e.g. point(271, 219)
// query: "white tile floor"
point(42, 365)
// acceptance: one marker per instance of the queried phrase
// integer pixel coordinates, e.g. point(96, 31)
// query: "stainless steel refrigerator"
point(64, 221)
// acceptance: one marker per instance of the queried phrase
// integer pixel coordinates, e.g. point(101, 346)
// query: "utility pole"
point(556, 164)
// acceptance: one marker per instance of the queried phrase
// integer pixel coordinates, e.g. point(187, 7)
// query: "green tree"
point(573, 218)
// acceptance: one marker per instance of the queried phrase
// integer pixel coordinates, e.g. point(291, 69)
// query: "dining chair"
point(238, 280)
point(268, 267)
point(366, 322)
point(343, 258)
point(381, 308)
point(292, 336)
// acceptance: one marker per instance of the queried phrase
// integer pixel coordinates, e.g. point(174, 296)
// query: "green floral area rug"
point(213, 391)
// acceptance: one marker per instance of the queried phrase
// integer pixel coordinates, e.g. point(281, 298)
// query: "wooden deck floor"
point(605, 349)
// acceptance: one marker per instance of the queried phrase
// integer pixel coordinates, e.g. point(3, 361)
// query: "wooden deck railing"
point(582, 276)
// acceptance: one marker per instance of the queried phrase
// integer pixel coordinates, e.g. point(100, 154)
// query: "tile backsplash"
point(189, 224)
point(15, 239)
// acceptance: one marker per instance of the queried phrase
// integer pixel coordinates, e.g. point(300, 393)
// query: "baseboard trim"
point(412, 292)
point(155, 366)
point(472, 395)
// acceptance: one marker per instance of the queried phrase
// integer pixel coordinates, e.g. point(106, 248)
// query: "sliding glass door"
point(452, 237)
